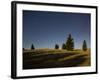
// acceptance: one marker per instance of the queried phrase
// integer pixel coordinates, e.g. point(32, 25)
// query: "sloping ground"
point(54, 58)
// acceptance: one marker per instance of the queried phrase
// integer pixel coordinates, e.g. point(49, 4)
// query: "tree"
point(84, 46)
point(56, 46)
point(70, 43)
point(23, 48)
point(63, 46)
point(32, 46)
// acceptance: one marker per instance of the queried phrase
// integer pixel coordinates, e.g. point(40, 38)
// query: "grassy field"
point(52, 58)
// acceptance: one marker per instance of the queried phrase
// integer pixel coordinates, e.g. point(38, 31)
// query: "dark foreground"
point(53, 59)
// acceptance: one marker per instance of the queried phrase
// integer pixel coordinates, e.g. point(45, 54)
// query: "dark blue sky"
point(45, 29)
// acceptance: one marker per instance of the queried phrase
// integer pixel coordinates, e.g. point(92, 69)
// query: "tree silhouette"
point(23, 48)
point(70, 43)
point(63, 46)
point(56, 46)
point(84, 46)
point(32, 46)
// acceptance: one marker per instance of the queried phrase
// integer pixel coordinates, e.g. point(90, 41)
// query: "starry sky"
point(44, 29)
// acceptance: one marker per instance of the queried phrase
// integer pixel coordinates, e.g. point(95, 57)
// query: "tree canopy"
point(70, 43)
point(84, 47)
point(56, 46)
point(63, 46)
point(32, 46)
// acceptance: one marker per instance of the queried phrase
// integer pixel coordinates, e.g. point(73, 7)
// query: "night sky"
point(45, 29)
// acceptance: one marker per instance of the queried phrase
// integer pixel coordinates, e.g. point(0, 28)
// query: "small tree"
point(32, 46)
point(70, 43)
point(63, 46)
point(23, 48)
point(84, 47)
point(56, 46)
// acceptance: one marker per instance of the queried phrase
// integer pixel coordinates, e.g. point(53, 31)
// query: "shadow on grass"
point(51, 61)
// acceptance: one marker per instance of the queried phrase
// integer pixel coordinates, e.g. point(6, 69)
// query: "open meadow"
point(54, 58)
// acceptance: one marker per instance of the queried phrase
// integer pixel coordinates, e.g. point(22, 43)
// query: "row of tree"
point(68, 45)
